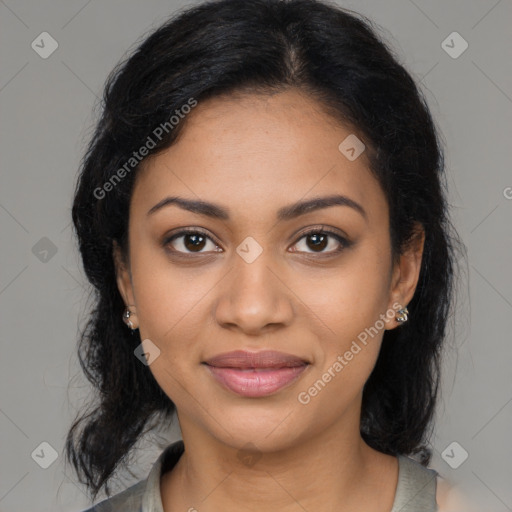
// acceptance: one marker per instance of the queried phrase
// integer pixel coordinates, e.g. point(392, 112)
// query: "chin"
point(262, 431)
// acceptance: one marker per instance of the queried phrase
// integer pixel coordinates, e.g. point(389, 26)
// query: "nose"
point(254, 298)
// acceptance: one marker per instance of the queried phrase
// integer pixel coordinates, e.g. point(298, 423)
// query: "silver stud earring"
point(126, 317)
point(402, 315)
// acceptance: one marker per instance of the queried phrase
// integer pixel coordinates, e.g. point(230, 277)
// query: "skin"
point(254, 155)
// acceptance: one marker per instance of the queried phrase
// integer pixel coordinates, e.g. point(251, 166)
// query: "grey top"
point(415, 492)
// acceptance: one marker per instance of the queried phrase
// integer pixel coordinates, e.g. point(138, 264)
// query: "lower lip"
point(256, 383)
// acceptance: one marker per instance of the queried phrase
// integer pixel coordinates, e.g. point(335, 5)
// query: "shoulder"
point(129, 500)
point(416, 487)
point(450, 499)
point(426, 485)
point(145, 494)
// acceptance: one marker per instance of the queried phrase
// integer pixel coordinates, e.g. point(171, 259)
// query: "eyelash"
point(314, 231)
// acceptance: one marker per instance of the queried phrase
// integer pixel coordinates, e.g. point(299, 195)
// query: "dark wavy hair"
point(227, 47)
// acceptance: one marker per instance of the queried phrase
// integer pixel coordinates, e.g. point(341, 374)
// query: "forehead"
point(256, 153)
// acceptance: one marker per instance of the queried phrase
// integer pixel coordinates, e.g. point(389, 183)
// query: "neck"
point(334, 470)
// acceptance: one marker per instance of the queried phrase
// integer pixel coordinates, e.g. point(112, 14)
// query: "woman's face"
point(253, 280)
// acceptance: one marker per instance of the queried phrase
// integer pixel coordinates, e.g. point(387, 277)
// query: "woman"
point(262, 213)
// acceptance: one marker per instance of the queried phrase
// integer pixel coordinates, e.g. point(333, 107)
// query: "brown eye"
point(194, 242)
point(318, 240)
point(189, 241)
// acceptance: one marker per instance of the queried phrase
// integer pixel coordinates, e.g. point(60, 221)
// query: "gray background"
point(47, 115)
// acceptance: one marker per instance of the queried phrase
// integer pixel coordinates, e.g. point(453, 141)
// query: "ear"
point(406, 272)
point(123, 275)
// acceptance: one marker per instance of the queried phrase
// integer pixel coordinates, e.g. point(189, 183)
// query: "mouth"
point(255, 374)
point(243, 359)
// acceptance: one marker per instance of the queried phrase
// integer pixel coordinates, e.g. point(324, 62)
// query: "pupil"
point(319, 244)
point(198, 241)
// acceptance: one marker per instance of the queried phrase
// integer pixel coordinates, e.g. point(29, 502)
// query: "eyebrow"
point(286, 213)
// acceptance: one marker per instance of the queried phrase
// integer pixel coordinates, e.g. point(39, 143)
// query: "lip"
point(255, 374)
point(262, 359)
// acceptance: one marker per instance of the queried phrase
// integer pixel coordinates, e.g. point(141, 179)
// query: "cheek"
point(168, 307)
point(350, 296)
point(169, 304)
point(351, 304)
point(169, 301)
point(346, 353)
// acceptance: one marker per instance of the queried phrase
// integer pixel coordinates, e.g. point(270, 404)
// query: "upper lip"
point(263, 359)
